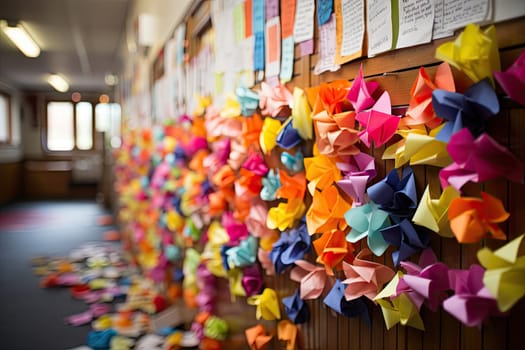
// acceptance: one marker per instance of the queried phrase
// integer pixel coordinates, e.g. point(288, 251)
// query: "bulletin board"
point(395, 71)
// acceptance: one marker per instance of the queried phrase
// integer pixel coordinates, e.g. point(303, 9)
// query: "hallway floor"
point(32, 317)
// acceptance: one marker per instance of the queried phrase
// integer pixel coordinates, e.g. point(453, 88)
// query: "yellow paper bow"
point(505, 274)
point(232, 107)
point(285, 215)
point(418, 148)
point(267, 305)
point(474, 52)
point(398, 309)
point(268, 136)
point(235, 279)
point(433, 213)
point(302, 114)
point(287, 332)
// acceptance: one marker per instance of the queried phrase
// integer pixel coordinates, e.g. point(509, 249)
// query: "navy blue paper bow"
point(336, 300)
point(288, 137)
point(405, 236)
point(470, 110)
point(296, 309)
point(396, 196)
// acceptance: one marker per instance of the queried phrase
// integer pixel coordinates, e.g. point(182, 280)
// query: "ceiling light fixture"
point(19, 36)
point(58, 83)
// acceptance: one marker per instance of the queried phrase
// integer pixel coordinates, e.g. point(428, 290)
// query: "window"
point(107, 119)
point(84, 125)
point(60, 136)
point(5, 119)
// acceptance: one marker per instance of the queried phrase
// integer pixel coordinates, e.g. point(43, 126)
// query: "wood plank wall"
point(327, 330)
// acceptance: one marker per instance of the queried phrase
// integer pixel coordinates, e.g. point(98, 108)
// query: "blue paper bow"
point(271, 183)
point(292, 162)
point(288, 137)
point(296, 309)
point(244, 254)
point(248, 99)
point(336, 300)
point(396, 196)
point(470, 110)
point(292, 245)
point(405, 236)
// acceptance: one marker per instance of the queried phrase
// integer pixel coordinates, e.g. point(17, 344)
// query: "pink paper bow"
point(378, 123)
point(360, 94)
point(275, 101)
point(513, 79)
point(336, 134)
point(313, 279)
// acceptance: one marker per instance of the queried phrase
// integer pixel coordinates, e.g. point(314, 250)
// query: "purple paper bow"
point(252, 280)
point(292, 245)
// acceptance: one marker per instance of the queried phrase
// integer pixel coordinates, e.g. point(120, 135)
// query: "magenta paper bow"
point(357, 172)
point(478, 160)
point(255, 163)
point(378, 123)
point(313, 279)
point(235, 229)
point(275, 101)
point(365, 277)
point(472, 303)
point(513, 79)
point(427, 281)
point(360, 93)
point(218, 157)
point(207, 284)
point(252, 280)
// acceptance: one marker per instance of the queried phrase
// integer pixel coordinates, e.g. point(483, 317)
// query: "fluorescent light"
point(58, 83)
point(21, 39)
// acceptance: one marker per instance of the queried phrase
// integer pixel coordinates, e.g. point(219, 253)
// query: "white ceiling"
point(81, 39)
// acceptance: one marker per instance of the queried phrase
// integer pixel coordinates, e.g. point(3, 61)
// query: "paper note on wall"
point(238, 22)
point(324, 11)
point(459, 13)
point(287, 55)
point(304, 20)
point(438, 31)
point(416, 19)
point(507, 9)
point(287, 17)
point(248, 16)
point(273, 47)
point(379, 26)
point(350, 29)
point(258, 23)
point(272, 9)
point(327, 48)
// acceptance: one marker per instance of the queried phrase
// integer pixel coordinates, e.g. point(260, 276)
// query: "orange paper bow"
point(332, 97)
point(327, 211)
point(287, 332)
point(332, 248)
point(473, 218)
point(257, 337)
point(336, 134)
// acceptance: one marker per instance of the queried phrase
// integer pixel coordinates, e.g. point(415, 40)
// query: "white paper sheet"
point(416, 19)
point(326, 48)
point(304, 20)
point(379, 26)
point(459, 13)
point(353, 26)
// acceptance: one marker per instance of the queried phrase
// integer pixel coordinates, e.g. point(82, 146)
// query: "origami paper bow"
point(336, 134)
point(215, 328)
point(252, 280)
point(472, 303)
point(243, 254)
point(248, 100)
point(331, 97)
point(293, 163)
point(291, 246)
point(471, 110)
point(394, 195)
point(327, 211)
point(360, 93)
point(268, 136)
point(473, 218)
point(332, 248)
point(398, 309)
point(420, 109)
point(474, 52)
point(336, 300)
point(264, 259)
point(296, 309)
point(378, 123)
point(285, 215)
point(426, 281)
point(251, 131)
point(418, 148)
point(368, 221)
point(257, 337)
point(302, 114)
point(321, 172)
point(267, 305)
point(275, 101)
point(292, 187)
point(504, 277)
point(255, 163)
point(313, 279)
point(217, 126)
point(365, 277)
point(478, 160)
point(433, 213)
point(287, 136)
point(287, 332)
point(513, 79)
point(405, 236)
point(256, 220)
point(231, 108)
point(271, 183)
point(235, 276)
point(356, 176)
point(236, 230)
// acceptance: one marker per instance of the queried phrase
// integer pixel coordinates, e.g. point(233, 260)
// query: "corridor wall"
point(395, 72)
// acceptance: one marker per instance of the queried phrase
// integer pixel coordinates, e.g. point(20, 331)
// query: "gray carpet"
point(31, 317)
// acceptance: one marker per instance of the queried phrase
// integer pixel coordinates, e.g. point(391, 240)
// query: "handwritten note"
point(258, 51)
point(287, 54)
point(416, 19)
point(258, 23)
point(327, 48)
point(238, 22)
point(459, 13)
point(379, 26)
point(350, 29)
point(324, 11)
point(438, 31)
point(248, 17)
point(287, 17)
point(304, 20)
point(258, 16)
point(273, 46)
